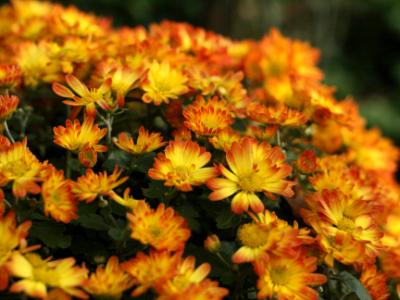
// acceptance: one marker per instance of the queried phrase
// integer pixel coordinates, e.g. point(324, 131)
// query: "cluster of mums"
point(247, 123)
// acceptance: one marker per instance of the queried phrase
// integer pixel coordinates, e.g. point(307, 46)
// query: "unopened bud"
point(212, 243)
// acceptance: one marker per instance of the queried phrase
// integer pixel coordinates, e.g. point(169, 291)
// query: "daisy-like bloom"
point(10, 75)
point(59, 201)
point(37, 275)
point(90, 185)
point(146, 142)
point(375, 283)
point(181, 165)
point(268, 235)
point(148, 270)
point(83, 139)
point(163, 83)
point(285, 277)
point(110, 281)
point(162, 228)
point(207, 117)
point(19, 165)
point(332, 212)
point(224, 139)
point(190, 282)
point(81, 96)
point(8, 104)
point(307, 162)
point(280, 115)
point(254, 167)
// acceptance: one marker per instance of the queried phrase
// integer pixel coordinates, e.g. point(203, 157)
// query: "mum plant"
point(175, 163)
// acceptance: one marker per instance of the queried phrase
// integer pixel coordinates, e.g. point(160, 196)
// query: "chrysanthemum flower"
point(110, 281)
point(85, 97)
point(268, 235)
point(288, 278)
point(307, 162)
point(19, 165)
point(207, 117)
point(38, 274)
point(146, 142)
point(8, 104)
point(59, 201)
point(280, 115)
point(375, 282)
point(162, 228)
point(81, 139)
point(190, 282)
point(261, 133)
point(224, 139)
point(182, 165)
point(148, 270)
point(254, 168)
point(90, 185)
point(163, 83)
point(123, 80)
point(10, 75)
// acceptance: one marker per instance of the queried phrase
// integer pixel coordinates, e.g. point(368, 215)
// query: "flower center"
point(346, 224)
point(251, 183)
point(253, 235)
point(279, 276)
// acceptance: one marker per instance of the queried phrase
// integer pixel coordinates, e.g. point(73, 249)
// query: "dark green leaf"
point(93, 221)
point(227, 219)
point(51, 234)
point(118, 234)
point(142, 163)
point(116, 158)
point(354, 285)
point(189, 212)
point(157, 190)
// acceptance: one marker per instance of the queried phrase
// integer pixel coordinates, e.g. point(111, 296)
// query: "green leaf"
point(142, 163)
point(227, 219)
point(157, 190)
point(354, 285)
point(93, 221)
point(116, 158)
point(51, 234)
point(118, 234)
point(189, 212)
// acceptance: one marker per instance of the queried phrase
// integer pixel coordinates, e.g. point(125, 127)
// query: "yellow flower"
point(18, 164)
point(38, 274)
point(162, 228)
point(123, 80)
point(90, 185)
point(8, 104)
point(81, 139)
point(146, 142)
point(288, 278)
point(163, 83)
point(207, 117)
point(110, 281)
point(254, 168)
point(182, 165)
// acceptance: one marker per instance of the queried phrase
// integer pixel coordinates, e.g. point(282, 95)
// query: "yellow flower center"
point(253, 235)
point(346, 224)
point(251, 182)
point(280, 276)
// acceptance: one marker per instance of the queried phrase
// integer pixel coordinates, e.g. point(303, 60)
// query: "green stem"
point(9, 135)
point(278, 137)
point(223, 260)
point(108, 121)
point(68, 167)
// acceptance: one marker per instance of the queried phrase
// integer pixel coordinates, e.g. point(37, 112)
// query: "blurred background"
point(359, 40)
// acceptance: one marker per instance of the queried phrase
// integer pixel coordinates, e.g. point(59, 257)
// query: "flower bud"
point(212, 243)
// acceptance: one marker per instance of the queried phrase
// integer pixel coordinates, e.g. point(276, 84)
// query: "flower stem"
point(108, 121)
point(9, 135)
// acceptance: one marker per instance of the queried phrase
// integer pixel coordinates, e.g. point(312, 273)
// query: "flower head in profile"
point(375, 282)
point(146, 142)
point(148, 270)
point(287, 277)
point(79, 95)
point(8, 105)
point(10, 75)
point(161, 228)
point(83, 139)
point(37, 275)
point(182, 165)
point(207, 117)
point(254, 167)
point(110, 281)
point(224, 139)
point(123, 80)
point(90, 185)
point(279, 115)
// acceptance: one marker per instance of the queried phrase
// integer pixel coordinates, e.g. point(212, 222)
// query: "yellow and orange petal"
point(224, 139)
point(207, 117)
point(127, 200)
point(59, 201)
point(212, 243)
point(110, 281)
point(279, 115)
point(8, 104)
point(161, 228)
point(90, 185)
point(288, 278)
point(375, 282)
point(10, 75)
point(123, 80)
point(163, 83)
point(148, 270)
point(182, 165)
point(146, 142)
point(307, 162)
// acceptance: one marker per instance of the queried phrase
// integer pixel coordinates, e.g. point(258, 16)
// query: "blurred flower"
point(224, 139)
point(10, 76)
point(8, 104)
point(307, 162)
point(375, 282)
point(280, 115)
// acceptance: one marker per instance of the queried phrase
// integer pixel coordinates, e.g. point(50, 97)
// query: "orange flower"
point(224, 139)
point(163, 83)
point(207, 117)
point(281, 115)
point(90, 185)
point(10, 75)
point(307, 162)
point(18, 164)
point(110, 281)
point(146, 142)
point(82, 139)
point(288, 278)
point(59, 202)
point(8, 104)
point(375, 282)
point(38, 274)
point(162, 228)
point(86, 97)
point(123, 80)
point(182, 165)
point(268, 235)
point(254, 168)
point(212, 243)
point(148, 270)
